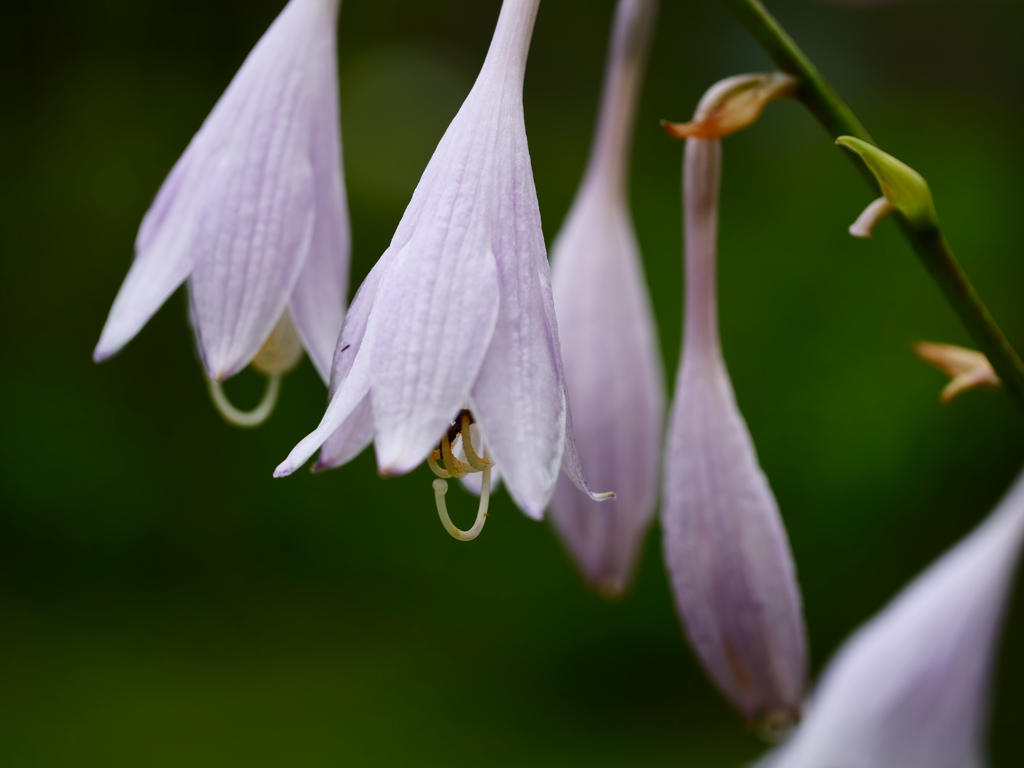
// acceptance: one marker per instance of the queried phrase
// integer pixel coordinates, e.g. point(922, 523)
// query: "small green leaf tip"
point(901, 185)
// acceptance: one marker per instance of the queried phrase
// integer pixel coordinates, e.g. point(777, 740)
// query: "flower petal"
point(318, 300)
point(166, 250)
point(252, 245)
point(725, 546)
point(614, 378)
point(357, 430)
point(432, 321)
point(608, 338)
point(347, 400)
point(520, 395)
point(909, 689)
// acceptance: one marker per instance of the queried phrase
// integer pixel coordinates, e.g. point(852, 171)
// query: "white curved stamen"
point(467, 446)
point(441, 488)
point(455, 468)
point(432, 460)
point(246, 419)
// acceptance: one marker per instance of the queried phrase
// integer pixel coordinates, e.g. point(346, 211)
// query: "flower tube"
point(449, 353)
point(725, 545)
point(608, 335)
point(910, 688)
point(253, 215)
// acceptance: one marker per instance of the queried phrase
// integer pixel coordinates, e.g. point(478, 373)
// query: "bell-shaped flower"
point(452, 335)
point(910, 688)
point(609, 338)
point(254, 214)
point(726, 548)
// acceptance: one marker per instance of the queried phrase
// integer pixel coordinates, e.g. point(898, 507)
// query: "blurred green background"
point(164, 602)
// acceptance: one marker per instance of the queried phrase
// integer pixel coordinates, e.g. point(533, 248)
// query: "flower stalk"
point(838, 119)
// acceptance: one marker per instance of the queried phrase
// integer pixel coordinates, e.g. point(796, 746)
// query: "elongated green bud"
point(901, 185)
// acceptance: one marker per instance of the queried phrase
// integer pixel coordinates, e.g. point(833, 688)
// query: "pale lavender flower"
point(609, 339)
point(910, 688)
point(254, 213)
point(725, 544)
point(456, 318)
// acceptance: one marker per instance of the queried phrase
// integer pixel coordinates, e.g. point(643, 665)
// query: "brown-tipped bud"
point(732, 104)
point(967, 368)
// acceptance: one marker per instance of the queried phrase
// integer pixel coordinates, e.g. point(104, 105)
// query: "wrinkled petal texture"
point(726, 549)
point(910, 688)
point(614, 378)
point(238, 212)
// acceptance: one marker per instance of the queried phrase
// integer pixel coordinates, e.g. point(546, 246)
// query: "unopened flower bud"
point(967, 368)
point(904, 188)
point(733, 104)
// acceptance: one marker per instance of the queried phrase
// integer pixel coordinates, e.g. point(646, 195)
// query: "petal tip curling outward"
point(909, 689)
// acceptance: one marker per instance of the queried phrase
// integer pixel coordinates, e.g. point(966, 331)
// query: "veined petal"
point(166, 249)
point(437, 308)
point(318, 300)
point(357, 430)
point(519, 398)
point(725, 546)
point(909, 689)
point(346, 401)
point(432, 320)
point(608, 336)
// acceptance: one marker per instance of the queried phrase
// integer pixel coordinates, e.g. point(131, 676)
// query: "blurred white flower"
point(910, 688)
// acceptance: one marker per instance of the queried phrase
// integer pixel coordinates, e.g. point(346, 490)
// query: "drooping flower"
point(453, 331)
point(725, 545)
point(609, 338)
point(910, 688)
point(253, 214)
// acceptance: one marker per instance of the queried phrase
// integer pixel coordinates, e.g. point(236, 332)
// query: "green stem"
point(817, 95)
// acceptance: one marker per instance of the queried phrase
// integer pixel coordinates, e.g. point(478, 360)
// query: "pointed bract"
point(608, 335)
point(910, 688)
point(254, 211)
point(725, 545)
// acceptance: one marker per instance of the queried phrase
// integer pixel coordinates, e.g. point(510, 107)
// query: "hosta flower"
point(725, 545)
point(609, 339)
point(453, 334)
point(253, 214)
point(910, 688)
